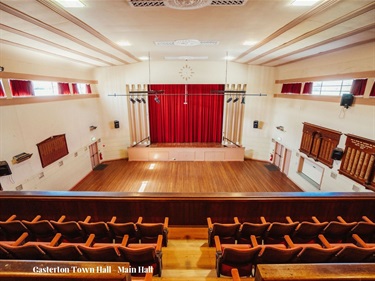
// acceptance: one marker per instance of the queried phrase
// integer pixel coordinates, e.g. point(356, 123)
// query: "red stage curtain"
point(21, 88)
point(200, 120)
point(307, 88)
point(63, 88)
point(358, 87)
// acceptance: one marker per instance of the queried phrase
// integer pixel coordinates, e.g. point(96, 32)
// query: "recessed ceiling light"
point(186, 58)
point(229, 58)
point(304, 2)
point(249, 43)
point(124, 43)
point(70, 3)
point(143, 58)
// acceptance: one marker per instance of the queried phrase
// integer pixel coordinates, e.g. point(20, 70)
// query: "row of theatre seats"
point(245, 245)
point(139, 244)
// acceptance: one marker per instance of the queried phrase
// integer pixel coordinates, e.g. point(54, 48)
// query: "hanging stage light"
point(143, 100)
point(243, 100)
point(132, 100)
point(157, 99)
point(138, 100)
point(229, 100)
point(235, 99)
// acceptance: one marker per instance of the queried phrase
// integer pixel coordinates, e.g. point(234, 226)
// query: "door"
point(278, 155)
point(288, 156)
point(94, 155)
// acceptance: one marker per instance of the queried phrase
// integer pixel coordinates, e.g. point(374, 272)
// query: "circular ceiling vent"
point(187, 4)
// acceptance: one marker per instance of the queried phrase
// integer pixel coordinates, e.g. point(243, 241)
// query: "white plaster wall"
point(291, 113)
point(23, 126)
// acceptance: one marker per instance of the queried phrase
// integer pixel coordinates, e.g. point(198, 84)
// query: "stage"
point(186, 152)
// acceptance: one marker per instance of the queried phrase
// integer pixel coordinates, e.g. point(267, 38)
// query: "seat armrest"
point(235, 274)
point(289, 220)
point(36, 218)
point(87, 219)
point(289, 241)
point(217, 244)
point(263, 220)
point(253, 240)
point(209, 222)
point(159, 243)
point(62, 218)
point(124, 241)
point(315, 219)
point(90, 240)
point(166, 222)
point(360, 242)
point(21, 239)
point(324, 241)
point(340, 219)
point(11, 218)
point(148, 276)
point(55, 240)
point(236, 220)
point(366, 219)
point(140, 219)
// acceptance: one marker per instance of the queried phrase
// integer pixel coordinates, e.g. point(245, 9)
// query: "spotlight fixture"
point(1, 68)
point(235, 99)
point(132, 100)
point(229, 99)
point(243, 100)
point(157, 99)
point(143, 100)
point(138, 100)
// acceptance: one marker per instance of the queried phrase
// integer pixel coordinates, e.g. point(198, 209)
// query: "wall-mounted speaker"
point(4, 169)
point(337, 153)
point(116, 124)
point(346, 100)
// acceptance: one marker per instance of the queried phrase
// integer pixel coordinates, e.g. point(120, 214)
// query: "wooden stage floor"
point(190, 177)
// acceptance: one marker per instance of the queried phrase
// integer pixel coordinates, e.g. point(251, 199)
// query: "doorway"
point(282, 158)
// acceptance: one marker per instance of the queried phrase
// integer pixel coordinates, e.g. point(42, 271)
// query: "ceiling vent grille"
point(187, 43)
point(160, 3)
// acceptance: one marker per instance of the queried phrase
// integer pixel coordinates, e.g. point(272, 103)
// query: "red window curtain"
point(2, 93)
point(21, 88)
point(307, 88)
point(358, 87)
point(88, 89)
point(63, 88)
point(75, 89)
point(291, 88)
point(372, 93)
point(198, 120)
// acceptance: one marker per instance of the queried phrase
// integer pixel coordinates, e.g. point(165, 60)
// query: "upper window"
point(45, 88)
point(332, 88)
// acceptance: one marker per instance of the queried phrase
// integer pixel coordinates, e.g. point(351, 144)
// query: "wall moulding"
point(352, 75)
point(25, 76)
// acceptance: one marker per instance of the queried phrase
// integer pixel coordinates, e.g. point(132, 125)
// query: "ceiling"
point(280, 33)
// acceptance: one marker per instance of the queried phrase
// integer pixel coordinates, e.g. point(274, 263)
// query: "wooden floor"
point(187, 257)
point(194, 177)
